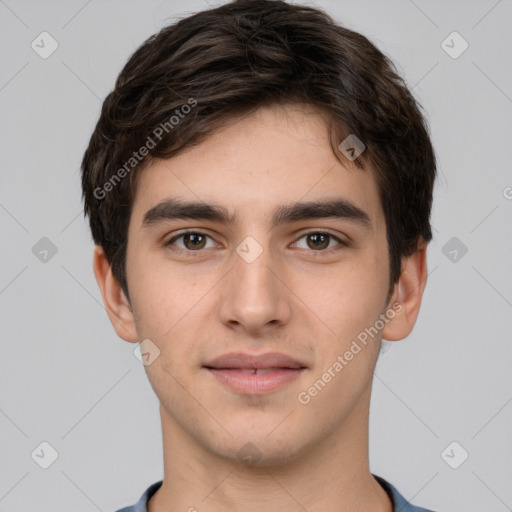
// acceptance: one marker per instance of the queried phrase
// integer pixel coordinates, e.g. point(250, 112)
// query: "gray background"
point(65, 377)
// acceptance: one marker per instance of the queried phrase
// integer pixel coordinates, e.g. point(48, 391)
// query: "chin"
point(257, 450)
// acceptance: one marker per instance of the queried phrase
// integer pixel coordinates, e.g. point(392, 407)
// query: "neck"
point(331, 476)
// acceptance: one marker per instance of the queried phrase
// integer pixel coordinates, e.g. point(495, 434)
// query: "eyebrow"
point(172, 208)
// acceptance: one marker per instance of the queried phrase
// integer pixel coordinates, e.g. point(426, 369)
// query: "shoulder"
point(141, 505)
point(400, 504)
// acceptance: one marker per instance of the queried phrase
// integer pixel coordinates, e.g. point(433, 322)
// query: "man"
point(259, 187)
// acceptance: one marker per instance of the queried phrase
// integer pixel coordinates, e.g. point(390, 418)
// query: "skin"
point(306, 302)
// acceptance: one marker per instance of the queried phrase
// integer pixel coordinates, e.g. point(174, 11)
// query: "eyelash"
point(189, 252)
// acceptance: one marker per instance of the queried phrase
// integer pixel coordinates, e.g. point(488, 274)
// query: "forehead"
point(274, 157)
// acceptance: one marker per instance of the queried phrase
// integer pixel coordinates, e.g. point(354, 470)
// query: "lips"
point(243, 361)
point(262, 371)
point(250, 374)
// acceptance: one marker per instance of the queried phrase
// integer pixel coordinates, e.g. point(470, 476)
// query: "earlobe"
point(407, 295)
point(117, 305)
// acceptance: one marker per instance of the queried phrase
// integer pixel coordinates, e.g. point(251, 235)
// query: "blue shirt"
point(400, 504)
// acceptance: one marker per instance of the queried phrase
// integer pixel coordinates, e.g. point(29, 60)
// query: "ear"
point(407, 294)
point(117, 305)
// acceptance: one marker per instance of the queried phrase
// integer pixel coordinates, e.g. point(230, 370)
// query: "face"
point(259, 272)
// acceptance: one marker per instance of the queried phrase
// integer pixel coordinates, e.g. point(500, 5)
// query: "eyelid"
point(323, 231)
point(183, 233)
point(316, 231)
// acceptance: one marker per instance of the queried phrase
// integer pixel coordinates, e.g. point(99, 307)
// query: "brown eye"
point(319, 241)
point(192, 241)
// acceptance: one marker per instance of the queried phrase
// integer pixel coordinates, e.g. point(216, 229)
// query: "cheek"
point(345, 300)
point(167, 298)
point(168, 309)
point(171, 302)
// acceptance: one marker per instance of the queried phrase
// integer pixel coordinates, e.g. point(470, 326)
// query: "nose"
point(254, 295)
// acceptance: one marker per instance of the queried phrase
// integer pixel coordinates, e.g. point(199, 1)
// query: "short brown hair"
point(233, 59)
